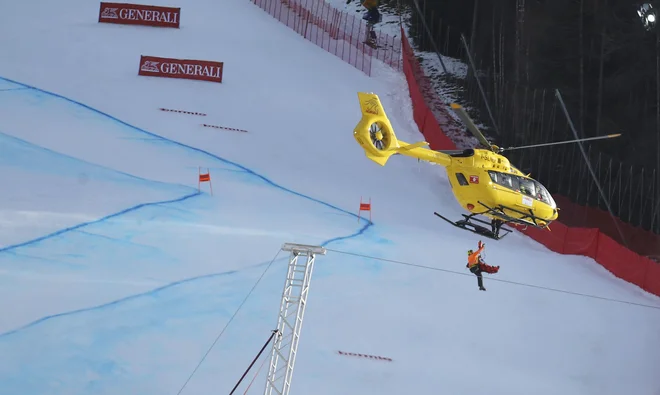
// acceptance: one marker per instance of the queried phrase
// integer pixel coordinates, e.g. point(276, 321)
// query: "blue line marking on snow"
point(90, 164)
point(14, 89)
point(96, 221)
point(150, 292)
point(201, 151)
point(356, 234)
point(137, 207)
point(118, 301)
point(155, 290)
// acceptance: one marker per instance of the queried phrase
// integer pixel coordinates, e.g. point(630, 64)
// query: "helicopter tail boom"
point(374, 133)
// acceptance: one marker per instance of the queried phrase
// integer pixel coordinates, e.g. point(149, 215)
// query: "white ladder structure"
point(290, 319)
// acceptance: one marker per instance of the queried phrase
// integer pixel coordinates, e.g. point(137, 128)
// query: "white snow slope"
point(116, 275)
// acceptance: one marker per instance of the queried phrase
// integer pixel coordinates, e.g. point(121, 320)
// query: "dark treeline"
point(602, 60)
point(596, 52)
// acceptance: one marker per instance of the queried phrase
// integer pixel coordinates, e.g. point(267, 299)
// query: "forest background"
point(600, 57)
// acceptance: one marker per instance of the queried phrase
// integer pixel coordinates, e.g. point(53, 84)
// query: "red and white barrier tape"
point(352, 354)
point(223, 127)
point(183, 112)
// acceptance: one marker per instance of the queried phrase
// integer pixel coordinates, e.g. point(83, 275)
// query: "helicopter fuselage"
point(482, 180)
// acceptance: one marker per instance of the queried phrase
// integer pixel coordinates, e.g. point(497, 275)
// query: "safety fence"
point(346, 37)
point(591, 242)
point(337, 32)
point(429, 111)
point(530, 116)
point(639, 240)
point(604, 246)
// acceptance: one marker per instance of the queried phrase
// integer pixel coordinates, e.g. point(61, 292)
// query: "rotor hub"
point(379, 139)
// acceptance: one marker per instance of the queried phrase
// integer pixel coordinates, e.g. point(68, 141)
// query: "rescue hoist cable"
point(228, 322)
point(417, 265)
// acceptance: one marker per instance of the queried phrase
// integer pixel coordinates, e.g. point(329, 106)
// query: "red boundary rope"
point(223, 127)
point(183, 112)
point(365, 356)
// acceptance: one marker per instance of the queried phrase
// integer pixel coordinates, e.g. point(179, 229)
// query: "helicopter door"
point(527, 188)
point(513, 185)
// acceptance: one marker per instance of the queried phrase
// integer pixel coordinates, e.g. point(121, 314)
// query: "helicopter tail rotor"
point(374, 132)
point(376, 136)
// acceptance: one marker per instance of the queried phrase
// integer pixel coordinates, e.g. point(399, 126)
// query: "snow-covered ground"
point(445, 86)
point(117, 274)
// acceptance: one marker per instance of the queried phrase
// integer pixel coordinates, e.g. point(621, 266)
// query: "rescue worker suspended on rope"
point(478, 266)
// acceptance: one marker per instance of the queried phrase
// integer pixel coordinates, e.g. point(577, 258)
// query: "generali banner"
point(137, 14)
point(203, 70)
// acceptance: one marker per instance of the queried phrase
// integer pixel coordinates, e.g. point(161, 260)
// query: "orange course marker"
point(364, 206)
point(206, 177)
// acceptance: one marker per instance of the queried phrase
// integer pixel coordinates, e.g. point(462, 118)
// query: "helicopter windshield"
point(527, 186)
point(544, 195)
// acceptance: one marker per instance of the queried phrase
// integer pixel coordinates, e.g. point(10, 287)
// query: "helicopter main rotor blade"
point(460, 111)
point(609, 136)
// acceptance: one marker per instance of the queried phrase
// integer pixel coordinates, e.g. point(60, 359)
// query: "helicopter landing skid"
point(525, 219)
point(470, 226)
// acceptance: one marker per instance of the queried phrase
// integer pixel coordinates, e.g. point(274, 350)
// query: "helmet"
point(470, 252)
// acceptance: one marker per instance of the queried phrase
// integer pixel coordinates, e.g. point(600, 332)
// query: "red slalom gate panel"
point(364, 206)
point(204, 177)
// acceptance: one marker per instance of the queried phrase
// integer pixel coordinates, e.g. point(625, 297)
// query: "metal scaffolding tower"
point(290, 319)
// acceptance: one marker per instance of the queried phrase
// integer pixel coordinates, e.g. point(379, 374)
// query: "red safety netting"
point(339, 33)
point(621, 261)
point(574, 236)
point(345, 36)
point(642, 241)
point(553, 239)
point(652, 278)
point(591, 242)
point(430, 123)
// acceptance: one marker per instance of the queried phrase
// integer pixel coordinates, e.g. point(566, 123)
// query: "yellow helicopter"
point(482, 181)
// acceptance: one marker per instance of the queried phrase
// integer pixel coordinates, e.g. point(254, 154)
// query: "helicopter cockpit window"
point(528, 187)
point(503, 179)
point(509, 181)
point(543, 195)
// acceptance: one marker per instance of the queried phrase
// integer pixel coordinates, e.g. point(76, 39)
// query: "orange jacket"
point(369, 4)
point(473, 259)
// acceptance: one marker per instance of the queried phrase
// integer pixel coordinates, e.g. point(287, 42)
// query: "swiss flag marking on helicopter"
point(474, 179)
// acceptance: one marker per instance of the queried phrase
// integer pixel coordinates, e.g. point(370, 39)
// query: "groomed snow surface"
point(116, 274)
